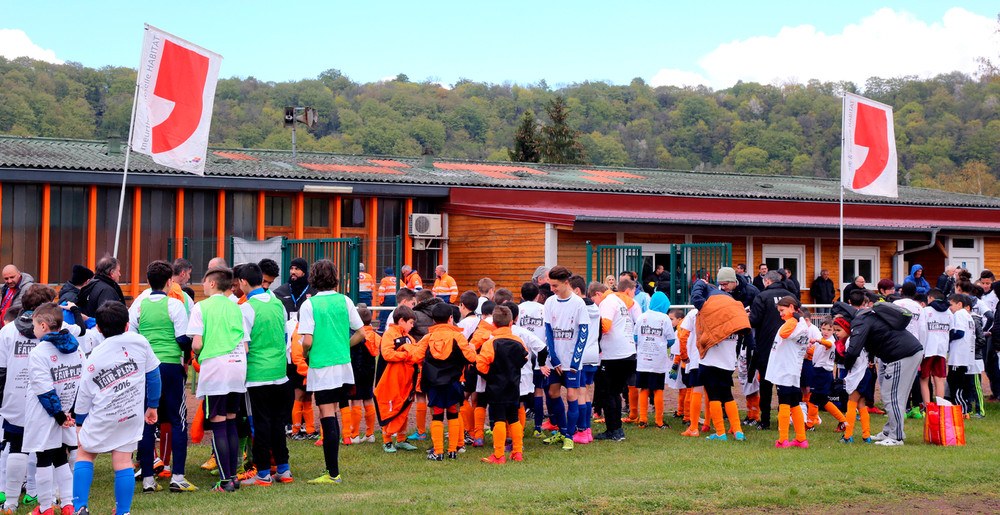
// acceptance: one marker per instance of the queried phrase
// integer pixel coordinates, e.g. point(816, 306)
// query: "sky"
point(663, 42)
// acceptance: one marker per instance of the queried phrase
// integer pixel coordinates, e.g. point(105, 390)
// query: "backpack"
point(896, 317)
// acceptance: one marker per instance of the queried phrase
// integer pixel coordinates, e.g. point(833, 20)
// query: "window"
point(963, 243)
point(68, 230)
point(21, 234)
point(352, 212)
point(241, 214)
point(278, 211)
point(861, 261)
point(792, 257)
point(317, 212)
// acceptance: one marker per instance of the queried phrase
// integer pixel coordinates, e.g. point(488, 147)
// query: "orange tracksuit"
point(396, 382)
point(412, 281)
point(445, 286)
point(500, 360)
point(444, 352)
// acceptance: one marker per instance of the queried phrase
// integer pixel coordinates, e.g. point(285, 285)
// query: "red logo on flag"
point(871, 132)
point(182, 77)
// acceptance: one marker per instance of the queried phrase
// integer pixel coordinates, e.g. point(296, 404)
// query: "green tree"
point(559, 141)
point(526, 145)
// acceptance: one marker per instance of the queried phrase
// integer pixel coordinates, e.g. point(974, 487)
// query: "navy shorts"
point(589, 371)
point(692, 379)
point(866, 386)
point(569, 378)
point(822, 381)
point(222, 405)
point(806, 378)
point(539, 380)
point(649, 380)
point(444, 397)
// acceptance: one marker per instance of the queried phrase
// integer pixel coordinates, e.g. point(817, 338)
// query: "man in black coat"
point(765, 320)
point(822, 290)
point(293, 293)
point(70, 292)
point(103, 288)
point(946, 282)
point(758, 280)
point(423, 319)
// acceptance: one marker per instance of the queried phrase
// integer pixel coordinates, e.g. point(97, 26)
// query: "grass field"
point(653, 470)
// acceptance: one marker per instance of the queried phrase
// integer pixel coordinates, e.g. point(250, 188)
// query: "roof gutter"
point(934, 233)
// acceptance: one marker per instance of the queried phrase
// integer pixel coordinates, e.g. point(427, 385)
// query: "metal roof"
point(70, 155)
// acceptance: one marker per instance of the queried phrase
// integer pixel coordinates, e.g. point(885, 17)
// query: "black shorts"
point(362, 391)
point(693, 378)
point(471, 377)
point(333, 396)
point(15, 441)
point(444, 397)
point(718, 382)
point(649, 380)
point(294, 379)
point(631, 378)
point(808, 375)
point(222, 405)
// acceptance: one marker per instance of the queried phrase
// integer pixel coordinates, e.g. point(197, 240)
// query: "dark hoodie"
point(98, 291)
point(422, 320)
point(882, 332)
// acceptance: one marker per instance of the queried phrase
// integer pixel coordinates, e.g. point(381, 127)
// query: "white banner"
point(868, 151)
point(246, 251)
point(173, 108)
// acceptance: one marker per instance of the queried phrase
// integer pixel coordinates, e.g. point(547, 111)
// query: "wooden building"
point(59, 201)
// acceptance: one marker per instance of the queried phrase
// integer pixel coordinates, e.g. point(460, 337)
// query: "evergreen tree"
point(526, 141)
point(559, 142)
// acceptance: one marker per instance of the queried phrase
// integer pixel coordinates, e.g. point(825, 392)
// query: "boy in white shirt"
point(617, 350)
point(119, 378)
point(532, 318)
point(962, 352)
point(219, 343)
point(939, 322)
point(655, 335)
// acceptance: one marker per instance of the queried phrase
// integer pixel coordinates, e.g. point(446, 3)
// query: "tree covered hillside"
point(947, 127)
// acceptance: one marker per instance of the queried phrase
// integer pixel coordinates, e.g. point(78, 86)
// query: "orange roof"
point(236, 156)
point(322, 167)
point(391, 163)
point(609, 173)
point(602, 180)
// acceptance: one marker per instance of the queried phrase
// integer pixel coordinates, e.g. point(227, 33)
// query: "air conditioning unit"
point(424, 225)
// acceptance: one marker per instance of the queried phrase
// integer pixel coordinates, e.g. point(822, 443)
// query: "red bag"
point(944, 425)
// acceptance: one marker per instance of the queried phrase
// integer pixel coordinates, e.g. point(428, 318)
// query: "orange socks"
point(733, 412)
point(695, 412)
point(517, 436)
point(437, 436)
point(852, 413)
point(468, 418)
point(499, 438)
point(682, 402)
point(479, 419)
point(346, 424)
point(369, 419)
point(784, 413)
point(813, 418)
point(421, 417)
point(799, 421)
point(633, 403)
point(866, 428)
point(642, 405)
point(296, 416)
point(715, 411)
point(455, 437)
point(753, 406)
point(521, 416)
point(658, 407)
point(832, 409)
point(307, 414)
point(356, 413)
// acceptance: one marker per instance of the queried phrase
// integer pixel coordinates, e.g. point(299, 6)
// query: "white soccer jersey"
point(784, 367)
point(566, 319)
point(655, 336)
point(962, 352)
point(534, 345)
point(938, 329)
point(619, 342)
point(689, 323)
point(823, 356)
point(14, 351)
point(916, 327)
point(857, 372)
point(592, 351)
point(49, 370)
point(113, 393)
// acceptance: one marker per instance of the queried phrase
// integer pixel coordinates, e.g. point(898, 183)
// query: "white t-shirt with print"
point(962, 352)
point(333, 376)
point(784, 366)
point(220, 375)
point(689, 323)
point(49, 370)
point(655, 336)
point(938, 329)
point(566, 317)
point(619, 342)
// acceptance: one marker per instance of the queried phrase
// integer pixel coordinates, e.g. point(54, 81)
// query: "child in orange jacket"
point(396, 376)
point(362, 397)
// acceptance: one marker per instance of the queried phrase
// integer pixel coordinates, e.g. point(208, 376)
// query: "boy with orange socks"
point(655, 336)
point(822, 378)
point(362, 397)
point(784, 370)
point(856, 384)
point(687, 336)
point(445, 354)
point(396, 373)
point(500, 360)
point(674, 379)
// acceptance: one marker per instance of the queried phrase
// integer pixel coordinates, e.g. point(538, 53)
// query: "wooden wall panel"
point(507, 251)
point(572, 252)
point(640, 238)
point(991, 254)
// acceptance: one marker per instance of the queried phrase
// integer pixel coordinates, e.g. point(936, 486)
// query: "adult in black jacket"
point(737, 286)
point(423, 319)
point(792, 284)
point(822, 290)
point(858, 284)
point(293, 293)
point(882, 332)
point(765, 320)
point(758, 280)
point(103, 288)
point(946, 282)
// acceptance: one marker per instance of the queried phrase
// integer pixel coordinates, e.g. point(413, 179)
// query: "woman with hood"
point(917, 277)
point(654, 335)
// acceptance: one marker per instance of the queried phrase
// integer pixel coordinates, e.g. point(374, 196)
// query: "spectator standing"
point(103, 288)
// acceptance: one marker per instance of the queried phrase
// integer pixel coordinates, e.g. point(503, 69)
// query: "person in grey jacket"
point(15, 283)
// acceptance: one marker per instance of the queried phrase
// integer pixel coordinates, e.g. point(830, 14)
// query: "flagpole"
point(128, 153)
point(843, 155)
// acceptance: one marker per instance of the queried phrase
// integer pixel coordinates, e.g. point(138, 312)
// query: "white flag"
point(173, 108)
point(868, 150)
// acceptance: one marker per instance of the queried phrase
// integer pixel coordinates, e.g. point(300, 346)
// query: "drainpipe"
point(934, 233)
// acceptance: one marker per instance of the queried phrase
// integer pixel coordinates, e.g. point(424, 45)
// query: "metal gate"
point(344, 252)
point(692, 261)
point(612, 260)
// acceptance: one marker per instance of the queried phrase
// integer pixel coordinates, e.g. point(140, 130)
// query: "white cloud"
point(15, 43)
point(886, 44)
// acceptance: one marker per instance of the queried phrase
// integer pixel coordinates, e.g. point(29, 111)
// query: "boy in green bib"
point(264, 315)
point(219, 343)
point(163, 321)
point(325, 323)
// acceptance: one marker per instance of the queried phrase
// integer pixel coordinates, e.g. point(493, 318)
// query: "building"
point(60, 202)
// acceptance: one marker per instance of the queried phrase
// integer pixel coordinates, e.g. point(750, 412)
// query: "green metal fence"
point(692, 261)
point(612, 260)
point(344, 252)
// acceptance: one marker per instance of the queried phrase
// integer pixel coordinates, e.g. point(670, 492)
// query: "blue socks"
point(572, 414)
point(539, 409)
point(83, 476)
point(124, 488)
point(557, 413)
point(283, 468)
point(587, 415)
